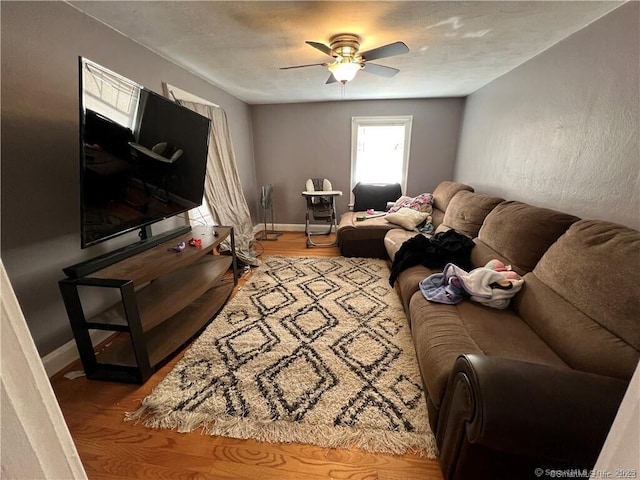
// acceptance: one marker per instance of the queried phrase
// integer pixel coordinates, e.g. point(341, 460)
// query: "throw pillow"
point(407, 218)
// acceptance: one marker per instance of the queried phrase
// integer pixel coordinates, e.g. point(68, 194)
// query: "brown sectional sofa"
point(358, 238)
point(366, 238)
point(465, 212)
point(362, 238)
point(536, 385)
point(442, 332)
point(442, 197)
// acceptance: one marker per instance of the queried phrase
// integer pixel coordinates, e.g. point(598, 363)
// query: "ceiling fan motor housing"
point(345, 45)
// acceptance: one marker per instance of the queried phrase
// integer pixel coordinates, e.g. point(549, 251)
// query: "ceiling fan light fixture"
point(344, 72)
point(347, 58)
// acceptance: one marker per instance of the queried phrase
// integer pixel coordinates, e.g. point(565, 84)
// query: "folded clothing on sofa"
point(484, 285)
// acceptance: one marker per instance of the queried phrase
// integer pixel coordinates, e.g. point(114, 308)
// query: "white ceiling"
point(455, 47)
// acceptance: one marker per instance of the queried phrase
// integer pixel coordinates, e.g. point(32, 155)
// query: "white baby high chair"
point(321, 208)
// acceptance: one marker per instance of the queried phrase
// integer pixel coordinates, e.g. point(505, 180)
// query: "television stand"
point(167, 298)
point(146, 242)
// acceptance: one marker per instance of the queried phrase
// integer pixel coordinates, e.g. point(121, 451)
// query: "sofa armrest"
point(528, 410)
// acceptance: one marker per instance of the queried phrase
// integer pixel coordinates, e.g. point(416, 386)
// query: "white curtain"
point(222, 188)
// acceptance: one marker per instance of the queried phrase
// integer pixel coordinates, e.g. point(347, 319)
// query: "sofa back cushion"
point(375, 195)
point(466, 212)
point(583, 298)
point(442, 195)
point(518, 234)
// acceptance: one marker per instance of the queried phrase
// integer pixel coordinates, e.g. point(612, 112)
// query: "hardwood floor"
point(111, 448)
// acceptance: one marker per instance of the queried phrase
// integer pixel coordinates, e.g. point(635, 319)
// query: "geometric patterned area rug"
point(309, 350)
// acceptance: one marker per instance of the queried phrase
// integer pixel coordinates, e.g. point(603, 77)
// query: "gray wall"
point(293, 142)
point(41, 42)
point(561, 130)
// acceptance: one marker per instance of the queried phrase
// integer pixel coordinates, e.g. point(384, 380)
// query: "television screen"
point(143, 157)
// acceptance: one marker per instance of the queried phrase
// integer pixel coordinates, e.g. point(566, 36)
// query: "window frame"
point(381, 120)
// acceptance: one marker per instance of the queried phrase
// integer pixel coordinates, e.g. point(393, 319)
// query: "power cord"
point(257, 243)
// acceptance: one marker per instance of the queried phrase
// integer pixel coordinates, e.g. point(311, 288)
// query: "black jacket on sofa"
point(435, 252)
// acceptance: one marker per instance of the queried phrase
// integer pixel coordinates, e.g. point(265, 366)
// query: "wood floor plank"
point(112, 448)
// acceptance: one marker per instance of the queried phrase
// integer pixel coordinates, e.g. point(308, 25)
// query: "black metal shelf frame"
point(80, 327)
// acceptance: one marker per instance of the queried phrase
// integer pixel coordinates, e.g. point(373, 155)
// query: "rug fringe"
point(376, 441)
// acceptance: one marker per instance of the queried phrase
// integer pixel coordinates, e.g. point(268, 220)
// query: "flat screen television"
point(142, 158)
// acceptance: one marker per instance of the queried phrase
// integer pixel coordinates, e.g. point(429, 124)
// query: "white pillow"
point(407, 218)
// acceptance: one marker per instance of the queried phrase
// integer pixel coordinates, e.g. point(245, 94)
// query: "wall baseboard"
point(286, 227)
point(66, 354)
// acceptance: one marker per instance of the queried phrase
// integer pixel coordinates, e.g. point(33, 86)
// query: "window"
point(201, 215)
point(110, 94)
point(380, 149)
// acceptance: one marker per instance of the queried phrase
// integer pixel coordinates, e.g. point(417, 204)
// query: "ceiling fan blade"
point(381, 70)
point(321, 46)
point(331, 79)
point(397, 48)
point(307, 65)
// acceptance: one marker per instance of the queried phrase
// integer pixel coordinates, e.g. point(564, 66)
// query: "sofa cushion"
point(362, 238)
point(583, 298)
point(349, 221)
point(407, 218)
point(443, 332)
point(518, 234)
point(466, 212)
point(445, 191)
point(482, 254)
point(442, 195)
point(409, 283)
point(394, 239)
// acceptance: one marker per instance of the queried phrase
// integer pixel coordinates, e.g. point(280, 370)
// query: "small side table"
point(332, 194)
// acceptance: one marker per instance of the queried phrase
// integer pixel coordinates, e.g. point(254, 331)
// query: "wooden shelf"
point(164, 297)
point(163, 340)
point(159, 261)
point(167, 298)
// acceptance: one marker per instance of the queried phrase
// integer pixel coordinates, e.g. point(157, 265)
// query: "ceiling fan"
point(344, 48)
